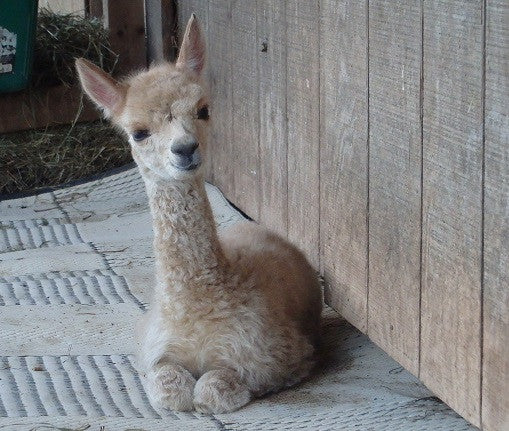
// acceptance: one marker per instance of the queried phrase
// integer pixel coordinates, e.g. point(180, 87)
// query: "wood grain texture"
point(271, 46)
point(44, 107)
point(221, 148)
point(495, 390)
point(344, 157)
point(161, 30)
point(184, 11)
point(452, 197)
point(302, 20)
point(126, 24)
point(290, 100)
point(245, 124)
point(395, 178)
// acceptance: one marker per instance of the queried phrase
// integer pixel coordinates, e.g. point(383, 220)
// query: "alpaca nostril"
point(185, 150)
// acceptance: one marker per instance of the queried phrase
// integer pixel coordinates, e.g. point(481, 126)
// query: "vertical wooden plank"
point(303, 51)
point(44, 107)
point(245, 125)
point(184, 11)
point(452, 196)
point(395, 178)
point(126, 23)
point(344, 156)
point(221, 148)
point(94, 8)
point(271, 30)
point(495, 390)
point(161, 30)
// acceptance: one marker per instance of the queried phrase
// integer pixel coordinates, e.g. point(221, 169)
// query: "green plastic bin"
point(18, 20)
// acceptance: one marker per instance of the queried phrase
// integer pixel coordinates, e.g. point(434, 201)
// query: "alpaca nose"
point(184, 149)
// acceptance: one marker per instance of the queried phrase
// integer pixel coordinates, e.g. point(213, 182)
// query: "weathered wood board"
point(161, 20)
point(221, 146)
point(245, 124)
point(126, 25)
point(344, 157)
point(495, 378)
point(302, 108)
point(395, 178)
point(452, 204)
point(273, 126)
point(44, 108)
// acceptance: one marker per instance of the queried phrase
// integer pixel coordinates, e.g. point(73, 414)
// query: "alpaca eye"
point(140, 135)
point(203, 113)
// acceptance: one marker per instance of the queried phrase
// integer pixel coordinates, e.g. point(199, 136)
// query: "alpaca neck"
point(187, 250)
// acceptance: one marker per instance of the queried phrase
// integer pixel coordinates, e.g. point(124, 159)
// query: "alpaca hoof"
point(220, 391)
point(171, 387)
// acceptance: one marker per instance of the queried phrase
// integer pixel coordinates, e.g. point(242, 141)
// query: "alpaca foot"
point(220, 391)
point(171, 386)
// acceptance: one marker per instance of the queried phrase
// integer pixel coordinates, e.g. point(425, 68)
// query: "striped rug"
point(75, 275)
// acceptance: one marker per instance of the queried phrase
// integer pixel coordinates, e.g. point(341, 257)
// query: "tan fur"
point(234, 315)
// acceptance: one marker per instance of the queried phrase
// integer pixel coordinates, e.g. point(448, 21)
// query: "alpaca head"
point(163, 110)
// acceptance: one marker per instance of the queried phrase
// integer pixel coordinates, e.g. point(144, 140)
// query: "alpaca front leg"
point(171, 386)
point(220, 391)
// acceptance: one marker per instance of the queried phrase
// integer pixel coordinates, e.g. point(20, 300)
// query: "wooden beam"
point(273, 172)
point(303, 98)
point(221, 146)
point(395, 178)
point(495, 393)
point(245, 121)
point(94, 8)
point(46, 107)
point(161, 30)
point(344, 157)
point(452, 204)
point(126, 23)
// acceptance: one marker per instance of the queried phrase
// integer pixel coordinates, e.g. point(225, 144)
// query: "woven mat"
point(75, 275)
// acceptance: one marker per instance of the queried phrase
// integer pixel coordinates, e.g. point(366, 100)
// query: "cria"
point(234, 315)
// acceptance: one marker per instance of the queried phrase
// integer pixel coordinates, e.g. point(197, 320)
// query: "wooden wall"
point(374, 134)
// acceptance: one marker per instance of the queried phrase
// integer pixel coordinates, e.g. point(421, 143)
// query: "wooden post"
point(126, 22)
point(94, 8)
point(495, 380)
point(302, 97)
point(452, 204)
point(161, 30)
point(395, 179)
point(344, 158)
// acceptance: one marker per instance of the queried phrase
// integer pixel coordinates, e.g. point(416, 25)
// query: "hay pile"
point(33, 159)
point(62, 38)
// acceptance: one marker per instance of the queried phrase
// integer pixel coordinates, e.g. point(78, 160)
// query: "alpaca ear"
point(104, 91)
point(192, 50)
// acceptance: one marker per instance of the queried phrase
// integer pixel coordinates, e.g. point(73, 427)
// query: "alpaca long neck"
point(187, 249)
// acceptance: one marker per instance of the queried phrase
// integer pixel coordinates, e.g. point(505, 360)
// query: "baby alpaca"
point(234, 315)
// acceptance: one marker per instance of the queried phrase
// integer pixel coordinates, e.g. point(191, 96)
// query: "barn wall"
point(374, 134)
